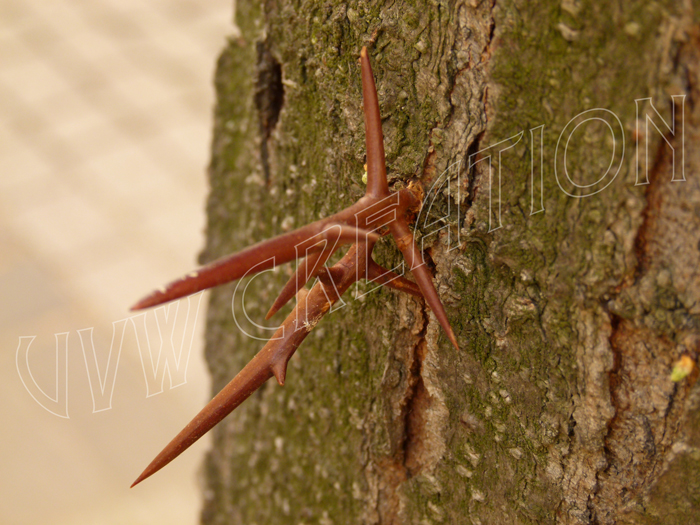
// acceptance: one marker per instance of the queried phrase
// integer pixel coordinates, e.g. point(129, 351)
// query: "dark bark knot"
point(269, 99)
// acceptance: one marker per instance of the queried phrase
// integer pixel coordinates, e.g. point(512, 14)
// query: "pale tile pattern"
point(105, 118)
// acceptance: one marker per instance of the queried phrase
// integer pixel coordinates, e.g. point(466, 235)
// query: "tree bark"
point(572, 290)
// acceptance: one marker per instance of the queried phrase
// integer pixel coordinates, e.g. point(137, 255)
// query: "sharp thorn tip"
point(137, 306)
point(453, 340)
point(279, 370)
point(138, 480)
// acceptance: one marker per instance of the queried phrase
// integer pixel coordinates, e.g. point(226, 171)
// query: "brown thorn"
point(376, 167)
point(295, 283)
point(257, 258)
point(369, 213)
point(270, 361)
point(407, 245)
point(249, 379)
point(311, 265)
point(279, 370)
point(379, 275)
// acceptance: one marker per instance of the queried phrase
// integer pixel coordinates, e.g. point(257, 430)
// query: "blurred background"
point(105, 119)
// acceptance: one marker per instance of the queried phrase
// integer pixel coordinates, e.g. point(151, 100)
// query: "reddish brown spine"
point(357, 224)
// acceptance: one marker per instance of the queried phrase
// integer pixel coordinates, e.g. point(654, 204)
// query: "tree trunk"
point(573, 291)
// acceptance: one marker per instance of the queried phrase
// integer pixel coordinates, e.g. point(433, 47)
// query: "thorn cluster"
point(378, 210)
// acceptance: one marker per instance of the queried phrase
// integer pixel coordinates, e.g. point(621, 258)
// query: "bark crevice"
point(269, 99)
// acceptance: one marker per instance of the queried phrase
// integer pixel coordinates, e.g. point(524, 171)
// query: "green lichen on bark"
point(381, 420)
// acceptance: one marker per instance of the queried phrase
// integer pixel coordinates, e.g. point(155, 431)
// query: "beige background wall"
point(105, 117)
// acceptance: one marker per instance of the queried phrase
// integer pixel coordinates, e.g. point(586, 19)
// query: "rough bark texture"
point(559, 407)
